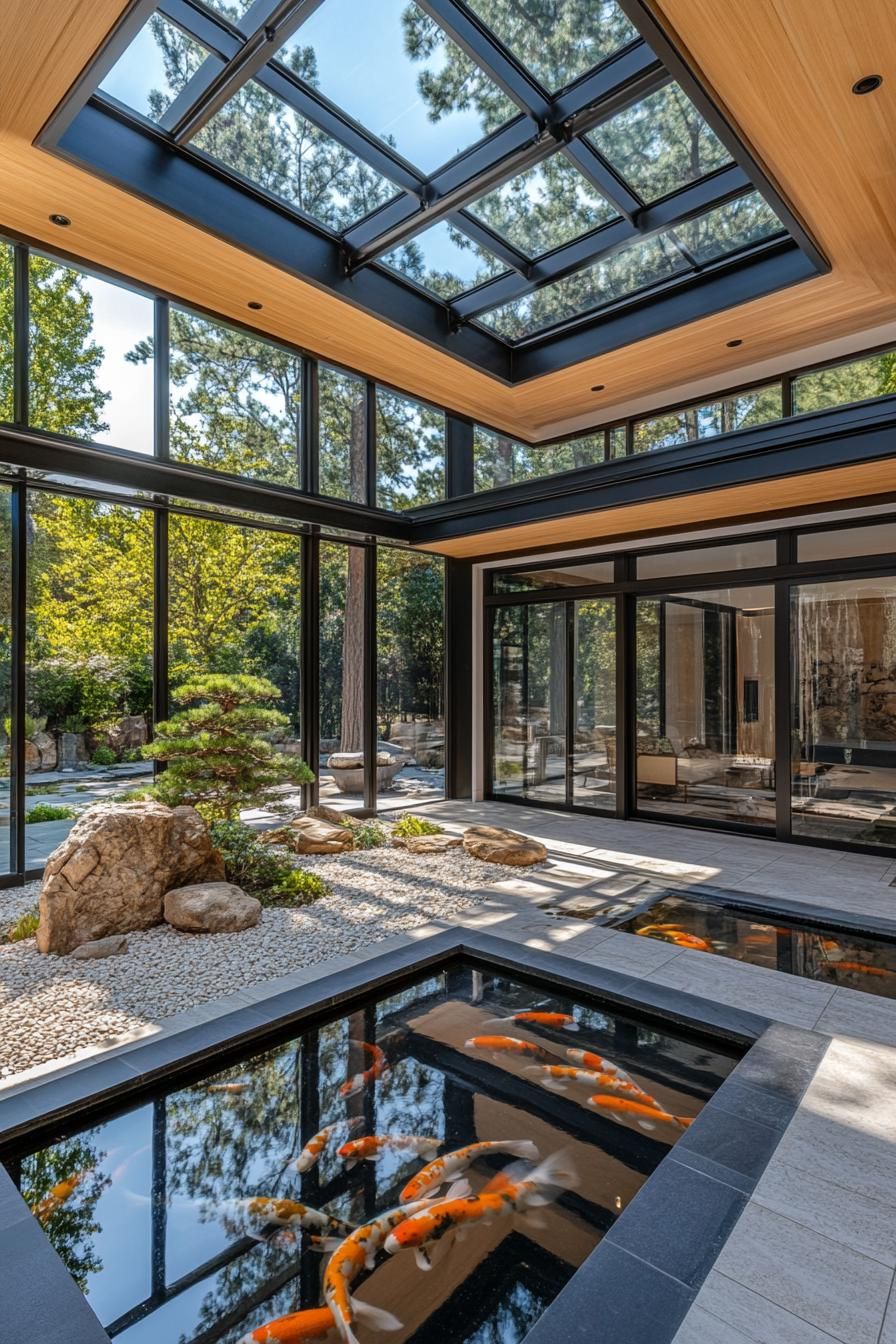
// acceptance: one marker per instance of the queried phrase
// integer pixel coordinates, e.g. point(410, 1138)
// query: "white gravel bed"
point(16, 901)
point(52, 1006)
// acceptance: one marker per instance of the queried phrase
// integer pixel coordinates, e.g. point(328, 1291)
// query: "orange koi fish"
point(316, 1323)
point(310, 1154)
point(360, 1080)
point(589, 1060)
point(621, 1109)
point(859, 966)
point(357, 1252)
point(62, 1191)
point(529, 1188)
point(231, 1089)
point(557, 1077)
point(690, 940)
point(498, 1045)
point(660, 928)
point(445, 1168)
point(559, 1021)
point(289, 1213)
point(372, 1147)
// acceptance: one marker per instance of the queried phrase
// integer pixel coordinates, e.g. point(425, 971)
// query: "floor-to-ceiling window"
point(234, 605)
point(705, 706)
point(6, 721)
point(843, 760)
point(343, 649)
point(410, 682)
point(89, 671)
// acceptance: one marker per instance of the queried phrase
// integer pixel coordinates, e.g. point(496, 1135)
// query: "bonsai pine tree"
point(217, 760)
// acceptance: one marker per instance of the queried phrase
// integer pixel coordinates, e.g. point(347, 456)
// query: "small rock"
point(113, 946)
point(493, 844)
point(310, 835)
point(211, 907)
point(429, 844)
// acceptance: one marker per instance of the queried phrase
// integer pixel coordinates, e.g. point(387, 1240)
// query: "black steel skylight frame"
point(159, 162)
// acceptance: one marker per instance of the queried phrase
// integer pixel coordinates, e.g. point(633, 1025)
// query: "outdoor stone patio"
point(813, 1255)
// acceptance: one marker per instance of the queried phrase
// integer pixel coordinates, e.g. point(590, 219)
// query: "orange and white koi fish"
point(861, 967)
point(310, 1154)
point(359, 1251)
point(372, 1147)
point(316, 1323)
point(690, 940)
point(448, 1166)
point(503, 1045)
point(622, 1110)
point(660, 928)
point(531, 1187)
point(289, 1213)
point(360, 1080)
point(559, 1021)
point(589, 1060)
point(61, 1192)
point(557, 1078)
point(230, 1089)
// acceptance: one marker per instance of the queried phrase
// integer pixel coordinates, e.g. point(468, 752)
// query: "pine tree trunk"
point(352, 732)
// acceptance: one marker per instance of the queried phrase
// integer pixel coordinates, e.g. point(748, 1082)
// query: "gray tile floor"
point(813, 1256)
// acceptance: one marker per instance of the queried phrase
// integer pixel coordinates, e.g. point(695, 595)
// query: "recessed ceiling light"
point(254, 304)
point(732, 344)
point(867, 84)
point(62, 221)
point(598, 387)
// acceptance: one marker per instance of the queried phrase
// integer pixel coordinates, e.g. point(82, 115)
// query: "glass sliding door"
point(529, 705)
point(593, 750)
point(843, 742)
point(705, 706)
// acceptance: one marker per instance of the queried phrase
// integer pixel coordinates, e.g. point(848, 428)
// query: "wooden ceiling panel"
point(783, 69)
point(840, 485)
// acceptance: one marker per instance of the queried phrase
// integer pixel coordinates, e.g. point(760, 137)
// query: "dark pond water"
point(810, 950)
point(151, 1209)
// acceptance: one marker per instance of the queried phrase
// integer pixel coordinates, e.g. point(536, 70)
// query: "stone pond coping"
point(647, 1270)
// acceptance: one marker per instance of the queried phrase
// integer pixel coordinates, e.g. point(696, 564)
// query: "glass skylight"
point(729, 227)
point(444, 261)
point(634, 267)
point(397, 73)
point(267, 142)
point(660, 143)
point(557, 42)
point(545, 207)
point(150, 74)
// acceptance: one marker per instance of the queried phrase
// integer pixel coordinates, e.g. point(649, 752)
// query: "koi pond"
point(814, 951)
point(432, 1166)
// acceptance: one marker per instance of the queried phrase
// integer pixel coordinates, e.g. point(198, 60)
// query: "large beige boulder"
point(111, 872)
point(211, 907)
point(495, 845)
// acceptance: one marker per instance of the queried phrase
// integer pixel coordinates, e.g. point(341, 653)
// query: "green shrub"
point(132, 755)
point(49, 812)
point(410, 825)
point(38, 790)
point(103, 756)
point(217, 759)
point(247, 862)
point(297, 888)
point(24, 927)
point(74, 723)
point(369, 835)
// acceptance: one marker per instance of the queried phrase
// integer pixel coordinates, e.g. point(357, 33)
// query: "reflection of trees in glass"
point(410, 638)
point(234, 603)
point(755, 407)
point(513, 1316)
point(500, 460)
point(73, 1228)
point(90, 599)
point(410, 451)
point(872, 377)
